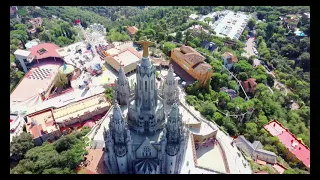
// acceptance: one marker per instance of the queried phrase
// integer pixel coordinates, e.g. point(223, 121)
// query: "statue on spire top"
point(145, 44)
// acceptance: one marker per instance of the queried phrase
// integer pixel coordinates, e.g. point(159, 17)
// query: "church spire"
point(117, 123)
point(170, 75)
point(122, 74)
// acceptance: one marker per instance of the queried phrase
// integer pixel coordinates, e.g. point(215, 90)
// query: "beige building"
point(42, 127)
point(128, 58)
point(81, 110)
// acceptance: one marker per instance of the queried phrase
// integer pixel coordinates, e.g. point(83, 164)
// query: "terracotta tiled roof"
point(132, 30)
point(202, 68)
point(45, 124)
point(190, 55)
point(249, 84)
point(135, 52)
point(193, 58)
point(230, 57)
point(252, 82)
point(188, 49)
point(160, 61)
point(49, 47)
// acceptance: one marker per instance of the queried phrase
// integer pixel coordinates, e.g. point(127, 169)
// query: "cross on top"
point(121, 64)
point(145, 44)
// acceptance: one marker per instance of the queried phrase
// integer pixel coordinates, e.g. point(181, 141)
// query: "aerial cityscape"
point(159, 90)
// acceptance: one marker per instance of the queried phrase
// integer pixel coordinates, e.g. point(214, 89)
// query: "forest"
point(287, 55)
point(61, 157)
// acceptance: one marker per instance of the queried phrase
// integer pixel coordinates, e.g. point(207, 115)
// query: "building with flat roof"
point(22, 56)
point(128, 58)
point(193, 63)
point(49, 122)
point(80, 111)
point(42, 127)
point(296, 150)
point(35, 54)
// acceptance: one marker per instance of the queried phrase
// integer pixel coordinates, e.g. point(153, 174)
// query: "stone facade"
point(255, 150)
point(146, 111)
point(170, 88)
point(146, 119)
point(122, 88)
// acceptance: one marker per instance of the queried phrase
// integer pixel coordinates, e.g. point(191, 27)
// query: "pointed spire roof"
point(122, 74)
point(174, 110)
point(116, 109)
point(117, 122)
point(170, 75)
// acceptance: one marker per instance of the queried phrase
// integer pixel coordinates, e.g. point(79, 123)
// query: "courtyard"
point(210, 156)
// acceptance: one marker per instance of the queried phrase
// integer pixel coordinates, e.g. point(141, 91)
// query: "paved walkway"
point(210, 156)
point(235, 162)
point(95, 162)
point(249, 48)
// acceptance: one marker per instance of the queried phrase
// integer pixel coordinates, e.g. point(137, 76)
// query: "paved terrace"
point(64, 99)
point(79, 108)
point(209, 156)
point(235, 24)
point(189, 166)
point(44, 122)
point(234, 162)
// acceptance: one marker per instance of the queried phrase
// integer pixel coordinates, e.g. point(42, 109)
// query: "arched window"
point(145, 86)
point(152, 84)
point(146, 151)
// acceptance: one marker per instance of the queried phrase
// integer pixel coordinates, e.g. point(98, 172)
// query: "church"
point(149, 136)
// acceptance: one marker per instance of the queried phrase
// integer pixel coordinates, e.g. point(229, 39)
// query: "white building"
point(22, 56)
point(16, 125)
point(30, 44)
point(194, 17)
point(229, 59)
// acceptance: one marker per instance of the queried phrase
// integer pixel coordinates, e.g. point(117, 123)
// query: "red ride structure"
point(78, 21)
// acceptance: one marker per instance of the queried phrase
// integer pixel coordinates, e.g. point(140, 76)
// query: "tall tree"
point(21, 144)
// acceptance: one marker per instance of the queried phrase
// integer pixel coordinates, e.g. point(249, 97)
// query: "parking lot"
point(231, 24)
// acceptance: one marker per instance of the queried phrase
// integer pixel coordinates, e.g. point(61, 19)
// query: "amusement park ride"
point(94, 38)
